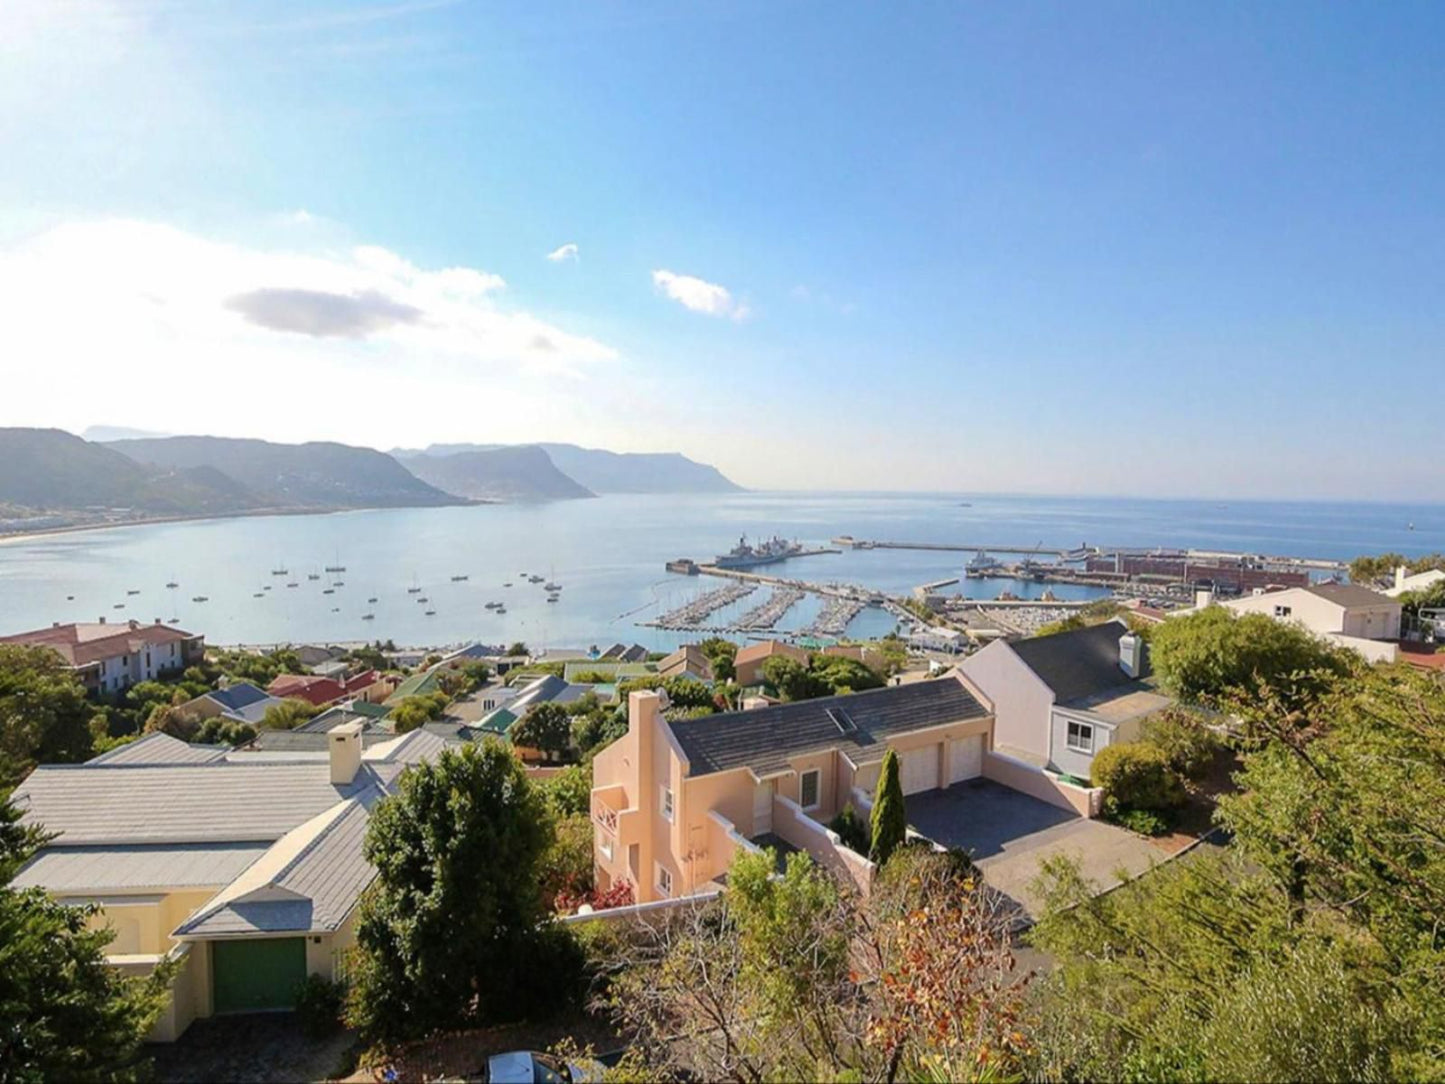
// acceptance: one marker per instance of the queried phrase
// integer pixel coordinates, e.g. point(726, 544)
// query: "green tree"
point(517, 649)
point(1210, 656)
point(1185, 738)
point(569, 792)
point(844, 675)
point(792, 680)
point(228, 731)
point(546, 727)
point(44, 715)
point(721, 653)
point(289, 714)
point(888, 823)
point(450, 933)
point(1136, 775)
point(566, 866)
point(65, 1014)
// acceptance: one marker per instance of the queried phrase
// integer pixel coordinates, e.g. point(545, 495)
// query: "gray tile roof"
point(221, 802)
point(240, 696)
point(1076, 664)
point(63, 870)
point(158, 748)
point(764, 739)
point(306, 741)
point(1349, 594)
point(313, 893)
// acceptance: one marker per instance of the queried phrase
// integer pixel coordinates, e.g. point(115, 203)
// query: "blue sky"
point(1104, 248)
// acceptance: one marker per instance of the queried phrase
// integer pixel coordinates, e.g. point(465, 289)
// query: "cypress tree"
point(889, 821)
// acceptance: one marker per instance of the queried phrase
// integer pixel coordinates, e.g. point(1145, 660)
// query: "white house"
point(1344, 613)
point(1058, 700)
point(1420, 581)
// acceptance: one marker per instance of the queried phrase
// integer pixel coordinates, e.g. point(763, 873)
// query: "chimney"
point(1400, 574)
point(1131, 654)
point(102, 619)
point(344, 747)
point(1203, 598)
point(133, 623)
point(752, 703)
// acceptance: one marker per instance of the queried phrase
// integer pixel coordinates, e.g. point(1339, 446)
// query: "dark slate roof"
point(237, 697)
point(765, 739)
point(1079, 663)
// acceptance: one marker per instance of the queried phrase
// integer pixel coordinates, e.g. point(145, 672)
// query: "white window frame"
point(1082, 745)
point(668, 804)
point(663, 879)
point(817, 774)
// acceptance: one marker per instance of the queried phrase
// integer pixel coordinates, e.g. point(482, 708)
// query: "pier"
point(696, 612)
point(764, 617)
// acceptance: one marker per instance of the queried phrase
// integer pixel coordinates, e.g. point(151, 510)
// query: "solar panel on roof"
point(842, 721)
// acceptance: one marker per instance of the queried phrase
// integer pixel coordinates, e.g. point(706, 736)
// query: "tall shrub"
point(889, 820)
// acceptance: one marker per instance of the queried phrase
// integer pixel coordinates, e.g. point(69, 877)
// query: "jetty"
point(837, 612)
point(765, 616)
point(696, 612)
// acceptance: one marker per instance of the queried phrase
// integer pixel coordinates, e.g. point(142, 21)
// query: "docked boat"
point(459, 579)
point(507, 584)
point(334, 568)
point(173, 584)
point(293, 585)
point(69, 598)
point(430, 613)
point(423, 599)
point(266, 588)
point(553, 598)
point(493, 606)
point(745, 555)
point(371, 601)
point(368, 617)
point(118, 606)
point(328, 591)
point(553, 587)
point(501, 609)
point(338, 583)
point(279, 572)
point(313, 575)
point(534, 579)
point(200, 598)
point(258, 594)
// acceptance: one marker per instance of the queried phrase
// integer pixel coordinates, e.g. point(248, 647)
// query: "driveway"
point(1009, 834)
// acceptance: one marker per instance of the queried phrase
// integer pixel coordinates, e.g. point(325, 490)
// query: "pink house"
point(673, 802)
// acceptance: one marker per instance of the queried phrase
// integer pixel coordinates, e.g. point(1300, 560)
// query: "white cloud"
point(564, 253)
point(157, 327)
point(699, 295)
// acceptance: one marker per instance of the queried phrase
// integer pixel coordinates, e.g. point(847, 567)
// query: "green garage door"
point(252, 976)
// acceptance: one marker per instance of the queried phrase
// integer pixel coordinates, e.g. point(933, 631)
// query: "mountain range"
point(54, 472)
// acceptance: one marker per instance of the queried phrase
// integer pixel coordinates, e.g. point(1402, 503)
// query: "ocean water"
point(609, 554)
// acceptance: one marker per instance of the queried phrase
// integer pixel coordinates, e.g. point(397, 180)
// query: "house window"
point(808, 788)
point(667, 802)
point(1081, 737)
point(664, 879)
point(1283, 611)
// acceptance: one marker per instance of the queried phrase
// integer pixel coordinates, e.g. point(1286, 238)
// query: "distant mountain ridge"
point(516, 473)
point(602, 471)
point(317, 474)
point(54, 470)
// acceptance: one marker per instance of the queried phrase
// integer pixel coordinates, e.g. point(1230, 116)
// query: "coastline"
point(249, 513)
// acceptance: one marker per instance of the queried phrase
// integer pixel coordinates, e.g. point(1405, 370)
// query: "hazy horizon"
point(1051, 251)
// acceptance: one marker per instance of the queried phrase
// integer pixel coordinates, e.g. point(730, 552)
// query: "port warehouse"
point(1236, 575)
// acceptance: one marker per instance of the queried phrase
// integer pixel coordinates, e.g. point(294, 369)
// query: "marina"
point(696, 612)
point(765, 616)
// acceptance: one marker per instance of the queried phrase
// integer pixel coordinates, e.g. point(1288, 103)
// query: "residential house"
point(422, 683)
point(610, 671)
point(749, 661)
point(1343, 613)
point(548, 687)
point(321, 691)
point(246, 867)
point(109, 658)
point(1059, 700)
point(242, 703)
point(313, 655)
point(1405, 582)
point(687, 662)
point(674, 801)
point(624, 653)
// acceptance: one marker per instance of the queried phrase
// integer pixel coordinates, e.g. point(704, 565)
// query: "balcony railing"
point(606, 818)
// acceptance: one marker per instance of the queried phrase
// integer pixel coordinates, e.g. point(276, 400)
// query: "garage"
point(965, 758)
point(254, 976)
point(918, 769)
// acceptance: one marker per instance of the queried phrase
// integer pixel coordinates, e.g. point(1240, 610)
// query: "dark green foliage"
point(517, 648)
point(219, 731)
point(44, 715)
point(1144, 821)
point(546, 727)
point(1137, 775)
point(852, 829)
point(1184, 738)
point(823, 675)
point(258, 669)
point(569, 792)
point(595, 731)
point(450, 934)
point(566, 865)
point(289, 714)
point(721, 654)
point(1210, 656)
point(64, 1013)
point(1380, 571)
point(319, 1002)
point(413, 711)
point(889, 821)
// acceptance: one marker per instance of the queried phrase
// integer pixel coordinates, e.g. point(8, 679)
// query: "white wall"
point(1021, 701)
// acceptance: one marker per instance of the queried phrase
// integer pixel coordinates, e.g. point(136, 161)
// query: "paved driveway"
point(1009, 833)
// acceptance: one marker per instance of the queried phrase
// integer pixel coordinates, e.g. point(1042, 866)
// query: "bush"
point(1143, 821)
point(1137, 775)
point(318, 1005)
point(852, 829)
point(1185, 739)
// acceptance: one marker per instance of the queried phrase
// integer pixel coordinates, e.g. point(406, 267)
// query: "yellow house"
point(246, 866)
point(673, 802)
